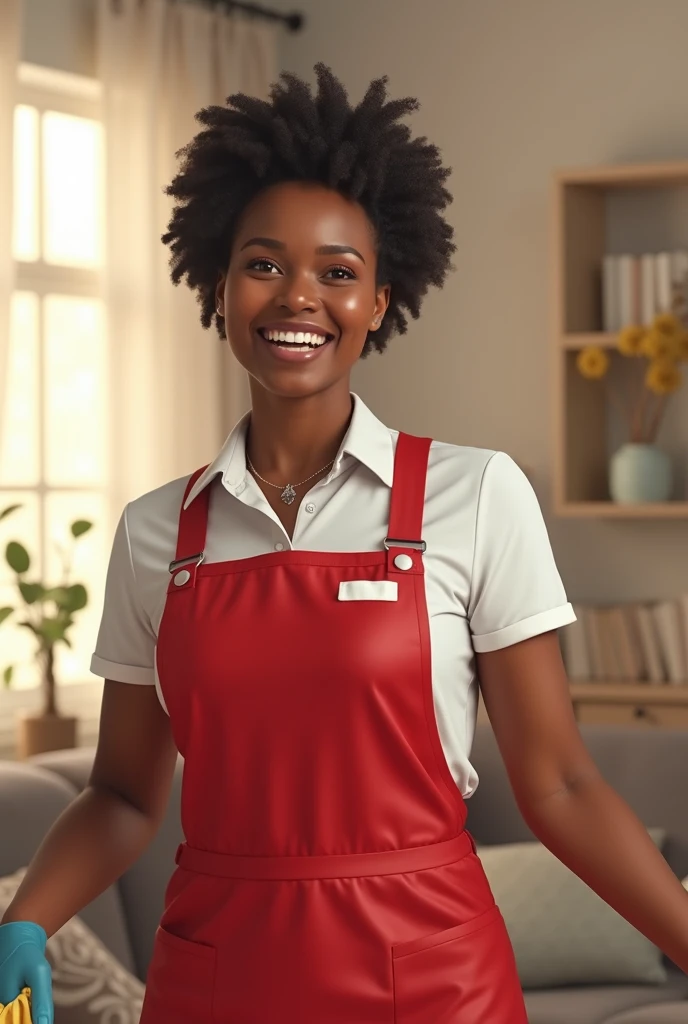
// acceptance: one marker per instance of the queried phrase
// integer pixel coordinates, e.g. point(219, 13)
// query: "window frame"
point(50, 89)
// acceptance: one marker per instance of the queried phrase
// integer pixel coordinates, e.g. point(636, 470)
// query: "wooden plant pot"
point(37, 734)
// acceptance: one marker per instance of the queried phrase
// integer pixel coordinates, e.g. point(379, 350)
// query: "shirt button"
point(403, 561)
point(310, 507)
point(241, 487)
point(279, 546)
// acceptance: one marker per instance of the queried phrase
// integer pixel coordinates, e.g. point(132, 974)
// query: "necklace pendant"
point(288, 494)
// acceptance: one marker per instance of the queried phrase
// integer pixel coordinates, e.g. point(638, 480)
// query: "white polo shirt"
point(490, 575)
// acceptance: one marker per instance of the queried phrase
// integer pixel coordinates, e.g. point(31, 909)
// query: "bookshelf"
point(581, 229)
point(642, 705)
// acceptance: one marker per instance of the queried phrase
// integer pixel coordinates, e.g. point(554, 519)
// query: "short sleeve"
point(516, 590)
point(125, 649)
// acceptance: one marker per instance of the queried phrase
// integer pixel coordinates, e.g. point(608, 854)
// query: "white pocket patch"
point(368, 590)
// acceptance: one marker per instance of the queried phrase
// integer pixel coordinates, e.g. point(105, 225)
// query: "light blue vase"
point(638, 473)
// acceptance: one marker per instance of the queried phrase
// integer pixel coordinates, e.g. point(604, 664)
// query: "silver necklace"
point(289, 492)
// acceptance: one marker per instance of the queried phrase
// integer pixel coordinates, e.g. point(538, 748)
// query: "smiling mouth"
point(297, 340)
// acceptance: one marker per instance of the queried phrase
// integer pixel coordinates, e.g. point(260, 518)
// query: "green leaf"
point(31, 592)
point(7, 675)
point(51, 630)
point(77, 598)
point(80, 526)
point(29, 625)
point(17, 557)
point(5, 614)
point(60, 595)
point(8, 511)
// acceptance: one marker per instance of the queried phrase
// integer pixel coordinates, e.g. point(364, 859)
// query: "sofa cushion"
point(670, 1013)
point(31, 798)
point(562, 932)
point(89, 984)
point(596, 1004)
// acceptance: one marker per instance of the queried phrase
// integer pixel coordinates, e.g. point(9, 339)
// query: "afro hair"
point(363, 152)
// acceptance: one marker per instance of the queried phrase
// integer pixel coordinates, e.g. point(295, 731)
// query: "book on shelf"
point(636, 288)
point(636, 642)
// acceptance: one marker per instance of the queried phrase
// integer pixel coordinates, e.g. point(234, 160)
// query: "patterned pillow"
point(89, 985)
point(562, 932)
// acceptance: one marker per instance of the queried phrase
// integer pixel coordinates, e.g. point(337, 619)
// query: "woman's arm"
point(106, 828)
point(565, 801)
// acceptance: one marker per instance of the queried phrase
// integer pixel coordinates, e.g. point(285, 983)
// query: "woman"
point(308, 617)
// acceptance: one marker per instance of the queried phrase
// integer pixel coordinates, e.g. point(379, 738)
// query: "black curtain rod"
point(294, 21)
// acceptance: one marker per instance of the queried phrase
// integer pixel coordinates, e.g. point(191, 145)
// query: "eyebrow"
point(322, 250)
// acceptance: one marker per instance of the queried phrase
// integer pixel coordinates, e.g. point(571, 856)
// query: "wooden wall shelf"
point(625, 693)
point(581, 201)
point(583, 339)
point(639, 705)
point(613, 510)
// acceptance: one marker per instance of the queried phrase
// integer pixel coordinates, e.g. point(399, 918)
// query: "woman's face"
point(303, 262)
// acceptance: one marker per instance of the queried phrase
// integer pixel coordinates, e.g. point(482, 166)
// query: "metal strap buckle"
point(184, 561)
point(394, 542)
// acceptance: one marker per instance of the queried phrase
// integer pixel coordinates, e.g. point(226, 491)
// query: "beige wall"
point(509, 90)
point(60, 34)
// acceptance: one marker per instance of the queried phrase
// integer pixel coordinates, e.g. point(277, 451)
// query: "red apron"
point(326, 877)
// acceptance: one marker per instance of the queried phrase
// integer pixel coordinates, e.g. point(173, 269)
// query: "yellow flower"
point(663, 376)
point(630, 341)
point(592, 362)
point(664, 337)
point(667, 323)
point(682, 346)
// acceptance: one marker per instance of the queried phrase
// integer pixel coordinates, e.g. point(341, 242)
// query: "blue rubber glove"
point(23, 963)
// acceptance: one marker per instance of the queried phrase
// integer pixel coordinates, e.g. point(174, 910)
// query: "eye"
point(349, 274)
point(254, 264)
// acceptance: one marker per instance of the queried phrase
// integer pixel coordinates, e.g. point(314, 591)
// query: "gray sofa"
point(649, 768)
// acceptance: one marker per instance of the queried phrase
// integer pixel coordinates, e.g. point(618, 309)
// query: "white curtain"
point(10, 50)
point(175, 390)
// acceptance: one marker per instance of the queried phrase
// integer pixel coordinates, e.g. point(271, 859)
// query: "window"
point(54, 443)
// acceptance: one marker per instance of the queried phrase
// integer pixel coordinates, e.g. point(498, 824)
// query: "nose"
point(299, 292)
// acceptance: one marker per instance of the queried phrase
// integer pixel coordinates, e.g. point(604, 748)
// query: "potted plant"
point(639, 470)
point(48, 612)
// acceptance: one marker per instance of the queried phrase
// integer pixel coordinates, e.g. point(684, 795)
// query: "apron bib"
point(327, 876)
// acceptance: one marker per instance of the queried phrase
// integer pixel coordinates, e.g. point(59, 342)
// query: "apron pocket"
point(181, 979)
point(462, 975)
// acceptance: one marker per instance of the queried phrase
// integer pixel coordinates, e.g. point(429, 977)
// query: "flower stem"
point(657, 418)
point(620, 405)
point(639, 411)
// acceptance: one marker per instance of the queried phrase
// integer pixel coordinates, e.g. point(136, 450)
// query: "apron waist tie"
point(346, 865)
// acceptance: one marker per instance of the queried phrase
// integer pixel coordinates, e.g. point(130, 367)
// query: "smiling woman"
point(304, 619)
point(380, 199)
point(342, 299)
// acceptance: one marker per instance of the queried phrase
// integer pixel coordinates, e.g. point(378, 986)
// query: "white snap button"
point(279, 546)
point(403, 561)
point(310, 507)
point(241, 487)
point(182, 577)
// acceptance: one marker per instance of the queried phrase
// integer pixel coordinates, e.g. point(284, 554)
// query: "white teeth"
point(295, 338)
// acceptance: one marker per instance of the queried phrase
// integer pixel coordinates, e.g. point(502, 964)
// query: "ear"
point(220, 290)
point(382, 297)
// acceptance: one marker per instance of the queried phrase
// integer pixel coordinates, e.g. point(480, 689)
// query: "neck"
point(290, 438)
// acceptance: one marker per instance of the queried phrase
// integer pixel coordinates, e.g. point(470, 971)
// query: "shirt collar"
point(367, 439)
